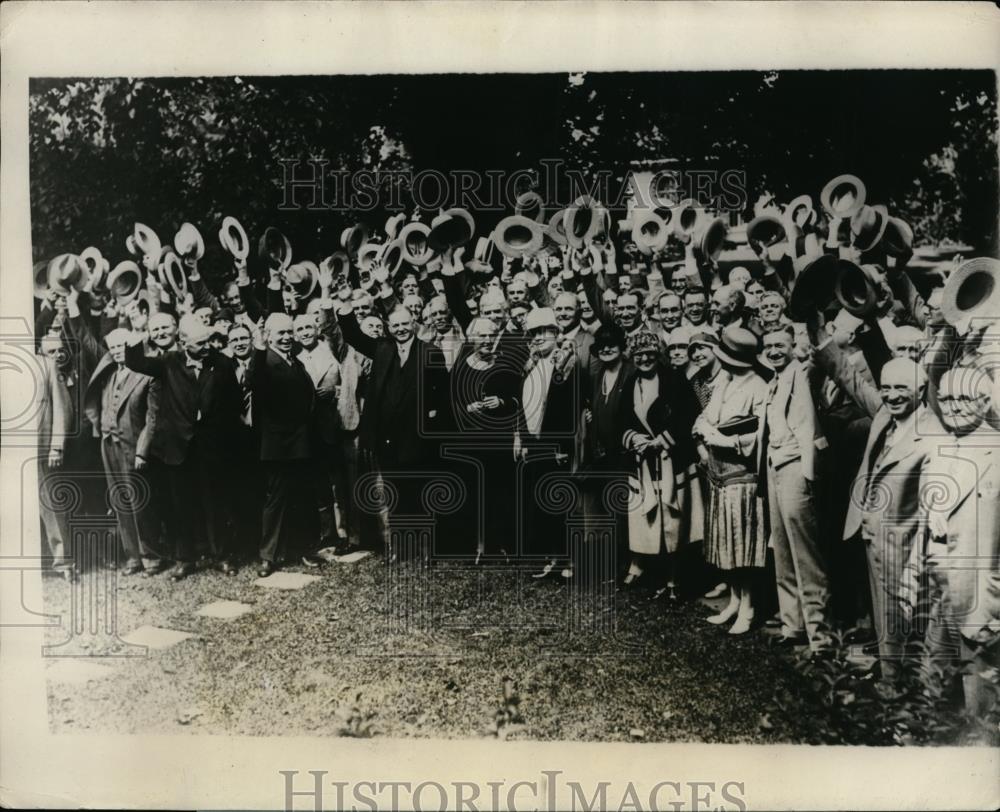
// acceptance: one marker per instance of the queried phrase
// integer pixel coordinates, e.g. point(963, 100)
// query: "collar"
point(405, 347)
point(572, 333)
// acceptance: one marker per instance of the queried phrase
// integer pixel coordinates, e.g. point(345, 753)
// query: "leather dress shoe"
point(227, 567)
point(265, 568)
point(131, 568)
point(181, 571)
point(152, 571)
point(312, 562)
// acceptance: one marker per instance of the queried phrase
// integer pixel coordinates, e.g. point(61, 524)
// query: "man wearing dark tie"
point(284, 404)
point(122, 408)
point(198, 412)
point(404, 405)
point(246, 479)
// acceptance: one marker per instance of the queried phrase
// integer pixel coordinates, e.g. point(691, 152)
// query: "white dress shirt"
point(318, 361)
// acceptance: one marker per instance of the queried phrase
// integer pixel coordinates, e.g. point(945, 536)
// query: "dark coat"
point(404, 408)
point(674, 412)
point(284, 407)
point(194, 412)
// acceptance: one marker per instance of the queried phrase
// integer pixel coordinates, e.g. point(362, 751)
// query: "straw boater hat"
point(353, 237)
point(172, 275)
point(843, 196)
point(188, 242)
point(233, 238)
point(516, 236)
point(868, 225)
point(413, 238)
point(302, 277)
point(275, 249)
point(125, 281)
point(530, 205)
point(394, 224)
point(66, 273)
point(96, 266)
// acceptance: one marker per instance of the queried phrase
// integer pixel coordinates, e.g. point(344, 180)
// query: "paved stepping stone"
point(77, 670)
point(286, 580)
point(154, 637)
point(224, 610)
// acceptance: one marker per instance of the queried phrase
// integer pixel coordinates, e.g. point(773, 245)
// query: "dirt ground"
point(353, 654)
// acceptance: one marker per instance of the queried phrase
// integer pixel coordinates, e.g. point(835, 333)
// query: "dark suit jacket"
point(562, 416)
point(194, 413)
point(404, 408)
point(284, 407)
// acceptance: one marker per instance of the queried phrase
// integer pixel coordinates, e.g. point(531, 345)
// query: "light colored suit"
point(885, 509)
point(800, 571)
point(963, 557)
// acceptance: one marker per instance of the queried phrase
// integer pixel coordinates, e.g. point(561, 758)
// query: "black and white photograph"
point(608, 406)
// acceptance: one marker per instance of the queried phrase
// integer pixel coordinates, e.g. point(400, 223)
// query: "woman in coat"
point(659, 408)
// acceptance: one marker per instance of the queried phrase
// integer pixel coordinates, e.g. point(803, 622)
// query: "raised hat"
point(338, 264)
point(96, 266)
point(530, 205)
point(516, 236)
point(413, 238)
point(555, 229)
point(173, 275)
point(40, 278)
point(815, 287)
point(898, 237)
point(843, 196)
point(66, 273)
point(868, 225)
point(713, 238)
point(971, 291)
point(233, 238)
point(649, 231)
point(451, 229)
point(582, 220)
point(274, 249)
point(125, 281)
point(353, 237)
point(767, 230)
point(394, 224)
point(188, 242)
point(302, 277)
point(687, 219)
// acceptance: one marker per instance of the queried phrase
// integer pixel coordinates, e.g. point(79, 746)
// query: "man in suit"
point(247, 479)
point(963, 545)
point(122, 407)
point(567, 313)
point(546, 437)
point(405, 404)
point(789, 439)
point(284, 409)
point(56, 422)
point(884, 507)
point(317, 357)
point(199, 409)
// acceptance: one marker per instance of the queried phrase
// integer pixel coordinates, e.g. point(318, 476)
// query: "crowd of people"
point(773, 413)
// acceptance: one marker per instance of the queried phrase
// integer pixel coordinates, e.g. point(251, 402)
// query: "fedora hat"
point(413, 238)
point(971, 291)
point(582, 220)
point(233, 238)
point(843, 196)
point(555, 229)
point(516, 236)
point(40, 278)
point(712, 238)
point(649, 231)
point(858, 288)
point(687, 218)
point(302, 278)
point(173, 275)
point(390, 256)
point(125, 281)
point(451, 229)
point(737, 347)
point(868, 225)
point(338, 264)
point(898, 237)
point(530, 205)
point(96, 266)
point(767, 230)
point(274, 249)
point(353, 237)
point(393, 224)
point(815, 287)
point(189, 243)
point(66, 273)
point(799, 215)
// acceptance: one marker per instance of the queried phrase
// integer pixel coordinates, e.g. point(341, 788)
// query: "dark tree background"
point(107, 152)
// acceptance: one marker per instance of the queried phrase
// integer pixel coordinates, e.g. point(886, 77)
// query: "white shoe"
point(742, 624)
point(717, 591)
point(567, 573)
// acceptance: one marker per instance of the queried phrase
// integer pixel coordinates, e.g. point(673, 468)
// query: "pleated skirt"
point(735, 534)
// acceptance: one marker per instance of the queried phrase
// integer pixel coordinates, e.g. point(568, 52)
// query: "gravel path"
point(325, 660)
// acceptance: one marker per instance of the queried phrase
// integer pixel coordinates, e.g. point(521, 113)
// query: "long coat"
point(666, 509)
